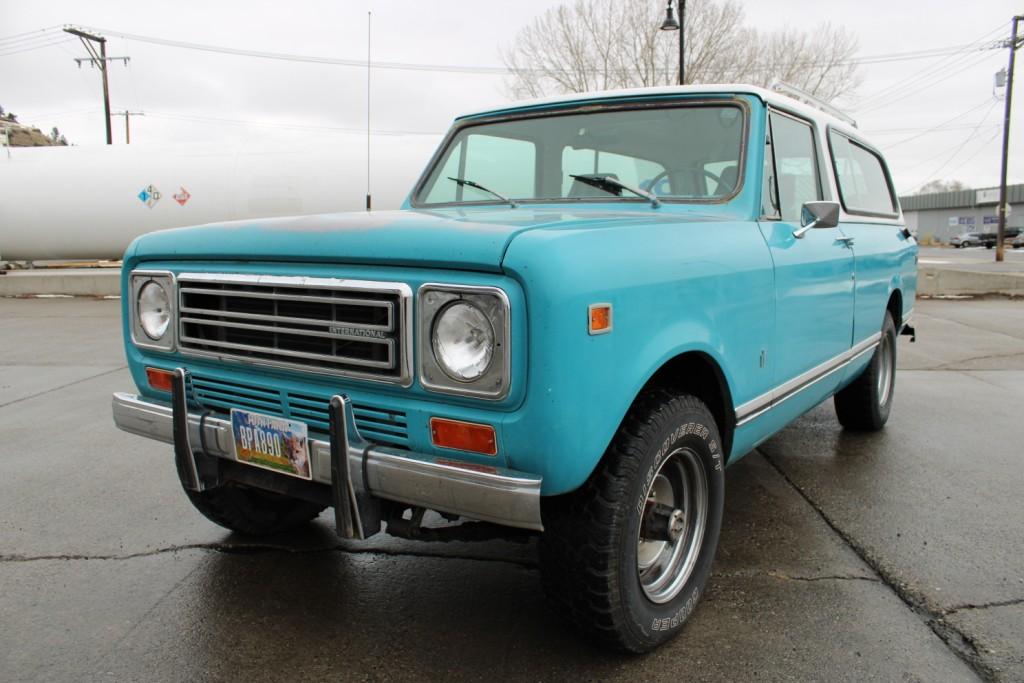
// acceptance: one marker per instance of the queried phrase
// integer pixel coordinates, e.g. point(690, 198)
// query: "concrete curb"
point(62, 281)
point(933, 281)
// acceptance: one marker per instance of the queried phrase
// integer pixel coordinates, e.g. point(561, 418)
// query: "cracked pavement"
point(893, 556)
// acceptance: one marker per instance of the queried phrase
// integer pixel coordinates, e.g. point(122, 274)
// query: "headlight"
point(151, 307)
point(463, 341)
point(463, 336)
point(154, 310)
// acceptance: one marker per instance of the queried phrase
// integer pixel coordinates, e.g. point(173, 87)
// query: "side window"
point(860, 174)
point(796, 165)
point(505, 165)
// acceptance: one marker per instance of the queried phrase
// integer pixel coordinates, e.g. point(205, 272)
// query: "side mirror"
point(817, 215)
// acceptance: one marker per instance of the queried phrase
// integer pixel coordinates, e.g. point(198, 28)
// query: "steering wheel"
point(664, 174)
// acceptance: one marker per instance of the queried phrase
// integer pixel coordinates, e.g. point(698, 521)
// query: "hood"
point(464, 238)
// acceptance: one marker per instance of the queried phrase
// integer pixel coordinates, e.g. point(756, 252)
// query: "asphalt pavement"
point(890, 556)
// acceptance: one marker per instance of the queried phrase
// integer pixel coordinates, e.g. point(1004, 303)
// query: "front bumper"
point(490, 494)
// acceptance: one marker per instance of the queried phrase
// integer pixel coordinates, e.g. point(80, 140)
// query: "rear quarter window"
point(863, 181)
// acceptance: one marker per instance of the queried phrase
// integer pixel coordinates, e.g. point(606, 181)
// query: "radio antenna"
point(369, 20)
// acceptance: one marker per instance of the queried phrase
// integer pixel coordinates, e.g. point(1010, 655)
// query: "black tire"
point(252, 512)
point(864, 405)
point(591, 548)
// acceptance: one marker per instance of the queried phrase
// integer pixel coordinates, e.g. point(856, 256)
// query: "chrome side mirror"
point(817, 215)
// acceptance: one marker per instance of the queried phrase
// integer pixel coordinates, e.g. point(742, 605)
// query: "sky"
point(197, 96)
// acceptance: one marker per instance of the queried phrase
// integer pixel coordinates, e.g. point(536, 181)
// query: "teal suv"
point(587, 309)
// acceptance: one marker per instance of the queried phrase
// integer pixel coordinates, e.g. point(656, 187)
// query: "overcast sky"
point(185, 92)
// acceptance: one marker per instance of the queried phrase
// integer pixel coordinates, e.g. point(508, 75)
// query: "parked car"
point(989, 239)
point(533, 341)
point(966, 239)
point(1018, 241)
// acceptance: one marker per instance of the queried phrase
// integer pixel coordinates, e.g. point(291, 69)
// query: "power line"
point(929, 53)
point(928, 71)
point(273, 124)
point(925, 86)
point(934, 128)
point(957, 150)
point(28, 35)
point(35, 47)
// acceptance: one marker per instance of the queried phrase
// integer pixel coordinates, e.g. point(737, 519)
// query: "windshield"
point(682, 153)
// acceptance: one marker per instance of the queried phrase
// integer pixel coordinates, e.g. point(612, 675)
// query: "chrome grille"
point(351, 328)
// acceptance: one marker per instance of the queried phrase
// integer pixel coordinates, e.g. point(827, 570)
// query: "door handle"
point(846, 239)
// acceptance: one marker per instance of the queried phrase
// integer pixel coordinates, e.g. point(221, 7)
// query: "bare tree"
point(586, 45)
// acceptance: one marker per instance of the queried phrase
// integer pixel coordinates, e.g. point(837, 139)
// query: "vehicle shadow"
point(308, 606)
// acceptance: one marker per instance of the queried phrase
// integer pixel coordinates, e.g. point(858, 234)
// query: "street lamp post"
point(671, 24)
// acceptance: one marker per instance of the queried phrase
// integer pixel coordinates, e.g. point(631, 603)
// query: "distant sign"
point(150, 196)
point(989, 196)
point(961, 220)
point(991, 220)
point(182, 196)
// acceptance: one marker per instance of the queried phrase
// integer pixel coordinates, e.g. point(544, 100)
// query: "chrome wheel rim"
point(886, 360)
point(679, 492)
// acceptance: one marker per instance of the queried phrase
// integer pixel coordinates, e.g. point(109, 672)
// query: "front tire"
point(865, 404)
point(626, 557)
point(252, 512)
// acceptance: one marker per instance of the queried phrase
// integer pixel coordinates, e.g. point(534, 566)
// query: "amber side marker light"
point(159, 379)
point(600, 319)
point(463, 436)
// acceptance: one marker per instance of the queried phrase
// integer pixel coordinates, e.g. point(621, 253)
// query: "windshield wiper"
point(470, 183)
point(615, 186)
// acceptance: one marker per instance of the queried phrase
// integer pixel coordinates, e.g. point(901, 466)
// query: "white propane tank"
point(91, 202)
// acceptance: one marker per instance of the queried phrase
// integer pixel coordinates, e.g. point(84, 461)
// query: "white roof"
point(766, 95)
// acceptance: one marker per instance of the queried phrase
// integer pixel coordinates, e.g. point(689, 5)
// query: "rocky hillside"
point(25, 136)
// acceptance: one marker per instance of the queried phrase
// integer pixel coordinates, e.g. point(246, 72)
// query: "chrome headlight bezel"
point(165, 279)
point(432, 299)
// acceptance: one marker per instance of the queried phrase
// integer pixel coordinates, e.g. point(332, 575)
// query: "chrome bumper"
point(490, 494)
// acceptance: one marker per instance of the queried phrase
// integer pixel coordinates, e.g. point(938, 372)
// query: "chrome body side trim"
point(756, 407)
point(490, 494)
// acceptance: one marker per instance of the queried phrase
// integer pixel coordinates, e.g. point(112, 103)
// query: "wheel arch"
point(699, 374)
point(895, 306)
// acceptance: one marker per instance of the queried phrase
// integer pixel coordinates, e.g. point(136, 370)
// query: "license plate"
point(273, 443)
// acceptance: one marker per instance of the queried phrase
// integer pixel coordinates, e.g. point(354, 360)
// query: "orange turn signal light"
point(159, 379)
point(463, 436)
point(600, 318)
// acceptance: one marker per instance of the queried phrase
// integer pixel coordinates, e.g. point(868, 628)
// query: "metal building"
point(942, 215)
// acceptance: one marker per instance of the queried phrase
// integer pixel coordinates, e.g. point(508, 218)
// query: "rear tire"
point(252, 512)
point(864, 405)
point(618, 572)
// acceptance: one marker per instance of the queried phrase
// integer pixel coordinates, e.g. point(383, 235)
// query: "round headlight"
point(154, 310)
point(463, 341)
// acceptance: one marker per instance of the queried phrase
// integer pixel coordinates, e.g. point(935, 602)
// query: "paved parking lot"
point(893, 556)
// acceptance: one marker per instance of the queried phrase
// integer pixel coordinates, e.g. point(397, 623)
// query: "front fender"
point(672, 290)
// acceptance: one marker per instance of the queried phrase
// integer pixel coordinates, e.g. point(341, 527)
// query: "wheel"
point(252, 512)
point(625, 558)
point(864, 405)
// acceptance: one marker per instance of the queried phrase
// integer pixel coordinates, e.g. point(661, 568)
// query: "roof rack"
point(807, 98)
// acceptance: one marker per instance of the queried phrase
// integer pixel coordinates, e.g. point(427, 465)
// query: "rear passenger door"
point(884, 255)
point(814, 296)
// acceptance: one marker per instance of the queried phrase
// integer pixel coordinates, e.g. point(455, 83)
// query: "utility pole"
point(127, 131)
point(1006, 140)
point(98, 59)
